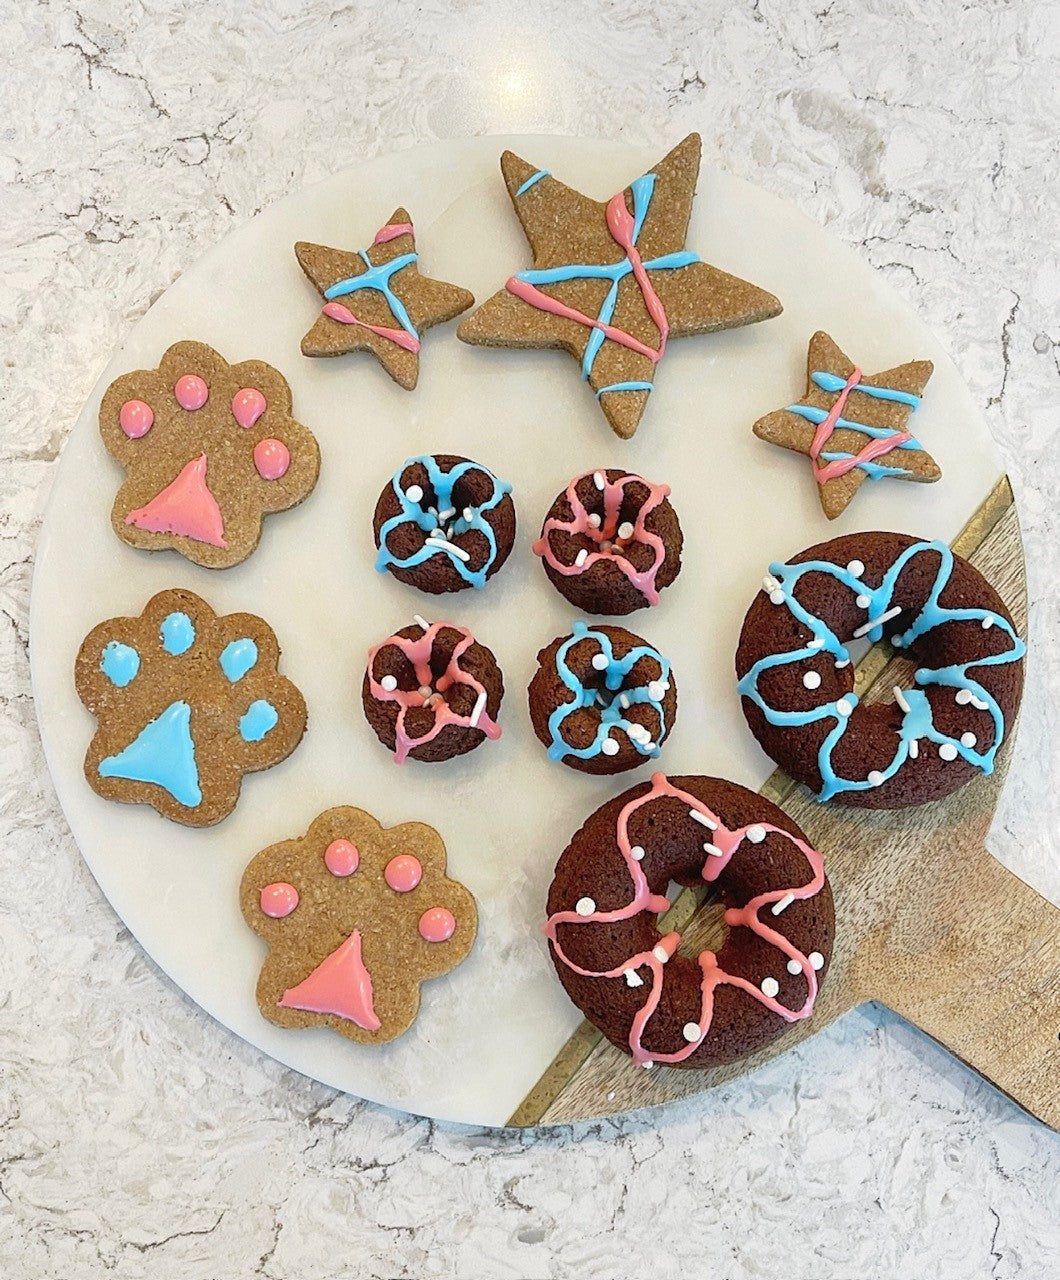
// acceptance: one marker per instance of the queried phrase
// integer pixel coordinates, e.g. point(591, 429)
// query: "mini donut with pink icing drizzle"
point(611, 542)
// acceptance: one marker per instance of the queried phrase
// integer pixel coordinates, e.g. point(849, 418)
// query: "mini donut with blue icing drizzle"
point(444, 523)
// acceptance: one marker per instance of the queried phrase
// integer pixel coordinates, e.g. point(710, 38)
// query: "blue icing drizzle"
point(624, 386)
point(237, 658)
point(378, 277)
point(260, 717)
point(443, 483)
point(611, 716)
point(162, 753)
point(534, 177)
point(120, 663)
point(830, 382)
point(177, 633)
point(917, 721)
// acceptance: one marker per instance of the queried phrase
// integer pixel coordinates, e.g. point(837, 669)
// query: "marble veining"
point(137, 1138)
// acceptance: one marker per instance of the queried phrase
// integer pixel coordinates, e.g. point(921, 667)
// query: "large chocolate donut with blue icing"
point(948, 718)
point(444, 523)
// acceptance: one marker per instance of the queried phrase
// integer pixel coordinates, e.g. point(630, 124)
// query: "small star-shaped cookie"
point(852, 426)
point(611, 281)
point(376, 300)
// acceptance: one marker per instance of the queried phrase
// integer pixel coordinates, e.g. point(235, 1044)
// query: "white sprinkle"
point(661, 954)
point(447, 513)
point(648, 1065)
point(611, 1096)
point(437, 533)
point(713, 851)
point(878, 622)
point(844, 707)
point(598, 479)
point(468, 514)
point(436, 540)
point(633, 978)
point(756, 834)
point(783, 904)
point(914, 749)
point(875, 778)
point(968, 739)
point(863, 602)
point(770, 987)
point(425, 690)
point(899, 697)
point(988, 622)
point(702, 819)
point(639, 733)
point(609, 747)
point(585, 906)
point(897, 641)
point(625, 530)
point(600, 661)
point(637, 853)
point(815, 643)
point(840, 663)
point(979, 704)
point(389, 683)
point(594, 520)
point(947, 751)
point(581, 558)
point(480, 706)
point(657, 690)
point(963, 696)
point(420, 622)
point(794, 966)
point(623, 701)
point(776, 597)
point(691, 1032)
point(812, 680)
point(769, 583)
point(414, 493)
point(816, 959)
point(856, 568)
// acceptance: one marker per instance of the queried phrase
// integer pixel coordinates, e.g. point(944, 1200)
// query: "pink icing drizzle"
point(403, 873)
point(247, 406)
point(191, 392)
point(185, 507)
point(278, 900)
point(340, 984)
point(875, 448)
point(437, 925)
point(271, 458)
point(391, 232)
point(533, 295)
point(418, 652)
point(336, 311)
point(613, 494)
point(644, 900)
point(136, 418)
point(342, 858)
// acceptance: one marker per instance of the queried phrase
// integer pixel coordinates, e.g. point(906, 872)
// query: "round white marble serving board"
point(487, 1030)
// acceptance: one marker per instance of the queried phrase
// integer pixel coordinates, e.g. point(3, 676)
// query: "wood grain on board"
point(928, 923)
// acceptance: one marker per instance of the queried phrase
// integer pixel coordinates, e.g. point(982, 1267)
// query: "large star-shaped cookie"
point(612, 281)
point(853, 426)
point(376, 300)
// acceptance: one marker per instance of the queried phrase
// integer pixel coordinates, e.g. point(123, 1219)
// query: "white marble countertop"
point(137, 1137)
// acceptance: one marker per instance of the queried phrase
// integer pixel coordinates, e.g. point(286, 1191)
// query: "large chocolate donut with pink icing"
point(611, 542)
point(648, 997)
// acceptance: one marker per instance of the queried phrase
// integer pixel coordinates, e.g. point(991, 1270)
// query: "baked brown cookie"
point(187, 703)
point(376, 300)
point(612, 282)
point(797, 682)
point(209, 449)
point(611, 542)
point(356, 917)
point(602, 699)
point(431, 692)
point(654, 1003)
point(851, 426)
point(444, 523)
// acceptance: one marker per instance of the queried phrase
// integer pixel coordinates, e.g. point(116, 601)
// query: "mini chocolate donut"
point(602, 699)
point(444, 523)
point(610, 885)
point(611, 542)
point(431, 692)
point(797, 682)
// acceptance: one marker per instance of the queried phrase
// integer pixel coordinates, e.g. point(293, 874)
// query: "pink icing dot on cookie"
point(279, 900)
point(342, 858)
point(272, 458)
point(136, 418)
point(437, 925)
point(247, 406)
point(403, 873)
point(191, 391)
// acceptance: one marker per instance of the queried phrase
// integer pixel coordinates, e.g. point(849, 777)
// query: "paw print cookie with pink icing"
point(209, 449)
point(356, 916)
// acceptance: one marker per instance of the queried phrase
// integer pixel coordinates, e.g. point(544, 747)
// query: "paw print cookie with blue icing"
point(187, 702)
point(209, 449)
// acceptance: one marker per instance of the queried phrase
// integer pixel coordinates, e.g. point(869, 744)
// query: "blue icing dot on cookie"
point(162, 753)
point(177, 634)
point(238, 657)
point(119, 663)
point(260, 717)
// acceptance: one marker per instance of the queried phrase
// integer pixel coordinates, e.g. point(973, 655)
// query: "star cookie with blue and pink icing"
point(612, 282)
point(853, 426)
point(376, 300)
